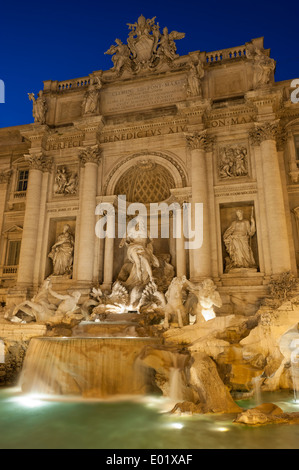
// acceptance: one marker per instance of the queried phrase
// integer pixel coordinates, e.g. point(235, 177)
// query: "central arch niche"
point(145, 182)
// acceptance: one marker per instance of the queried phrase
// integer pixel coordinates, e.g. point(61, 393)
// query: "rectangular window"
point(22, 180)
point(13, 252)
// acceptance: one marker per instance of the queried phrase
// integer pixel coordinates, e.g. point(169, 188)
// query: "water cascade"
point(176, 382)
point(295, 367)
point(87, 366)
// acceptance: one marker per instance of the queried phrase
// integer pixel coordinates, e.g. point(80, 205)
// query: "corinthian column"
point(180, 196)
point(38, 163)
point(181, 268)
point(265, 136)
point(108, 262)
point(200, 258)
point(89, 158)
point(4, 182)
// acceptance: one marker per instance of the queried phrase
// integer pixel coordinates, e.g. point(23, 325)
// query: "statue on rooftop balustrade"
point(90, 102)
point(196, 73)
point(264, 66)
point(39, 107)
point(120, 56)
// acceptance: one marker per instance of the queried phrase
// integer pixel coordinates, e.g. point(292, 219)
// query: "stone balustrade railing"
point(8, 271)
point(71, 84)
point(211, 57)
point(20, 194)
point(225, 54)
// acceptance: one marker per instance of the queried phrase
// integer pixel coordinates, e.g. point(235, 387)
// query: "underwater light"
point(177, 425)
point(29, 401)
point(222, 429)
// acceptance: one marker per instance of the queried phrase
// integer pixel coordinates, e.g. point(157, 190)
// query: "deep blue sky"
point(65, 39)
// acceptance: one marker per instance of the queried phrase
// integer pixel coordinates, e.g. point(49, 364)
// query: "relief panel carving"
point(233, 161)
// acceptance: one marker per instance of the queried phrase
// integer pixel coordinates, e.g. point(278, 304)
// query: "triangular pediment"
point(12, 229)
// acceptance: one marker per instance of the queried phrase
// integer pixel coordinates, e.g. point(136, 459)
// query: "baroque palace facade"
point(213, 128)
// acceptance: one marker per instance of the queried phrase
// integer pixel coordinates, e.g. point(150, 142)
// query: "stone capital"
point(281, 138)
point(39, 161)
point(90, 154)
point(180, 195)
point(199, 141)
point(5, 176)
point(263, 131)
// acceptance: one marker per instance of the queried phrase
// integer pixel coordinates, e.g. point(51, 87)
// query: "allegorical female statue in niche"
point(62, 253)
point(237, 242)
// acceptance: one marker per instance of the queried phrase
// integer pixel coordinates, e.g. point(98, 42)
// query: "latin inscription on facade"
point(131, 97)
point(231, 121)
point(64, 144)
point(140, 133)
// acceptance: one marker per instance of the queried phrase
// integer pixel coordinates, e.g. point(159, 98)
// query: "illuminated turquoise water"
point(31, 423)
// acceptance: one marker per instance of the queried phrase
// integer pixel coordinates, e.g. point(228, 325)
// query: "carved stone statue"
point(68, 304)
point(208, 296)
point(263, 65)
point(120, 56)
point(39, 308)
point(91, 98)
point(39, 107)
point(175, 301)
point(62, 253)
point(237, 242)
point(164, 273)
point(196, 73)
point(167, 46)
point(140, 254)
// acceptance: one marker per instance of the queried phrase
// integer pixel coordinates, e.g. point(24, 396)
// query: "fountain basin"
point(105, 329)
point(91, 367)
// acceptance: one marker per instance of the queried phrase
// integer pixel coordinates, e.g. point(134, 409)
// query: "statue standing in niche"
point(62, 253)
point(140, 254)
point(237, 242)
point(39, 107)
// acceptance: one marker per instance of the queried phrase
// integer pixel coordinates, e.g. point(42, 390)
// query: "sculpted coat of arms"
point(146, 47)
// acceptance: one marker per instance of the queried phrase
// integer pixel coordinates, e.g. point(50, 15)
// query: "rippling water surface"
point(34, 422)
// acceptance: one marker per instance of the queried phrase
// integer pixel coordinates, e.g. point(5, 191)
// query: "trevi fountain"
point(130, 340)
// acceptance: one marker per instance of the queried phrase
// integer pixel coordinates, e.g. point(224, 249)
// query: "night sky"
point(64, 39)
